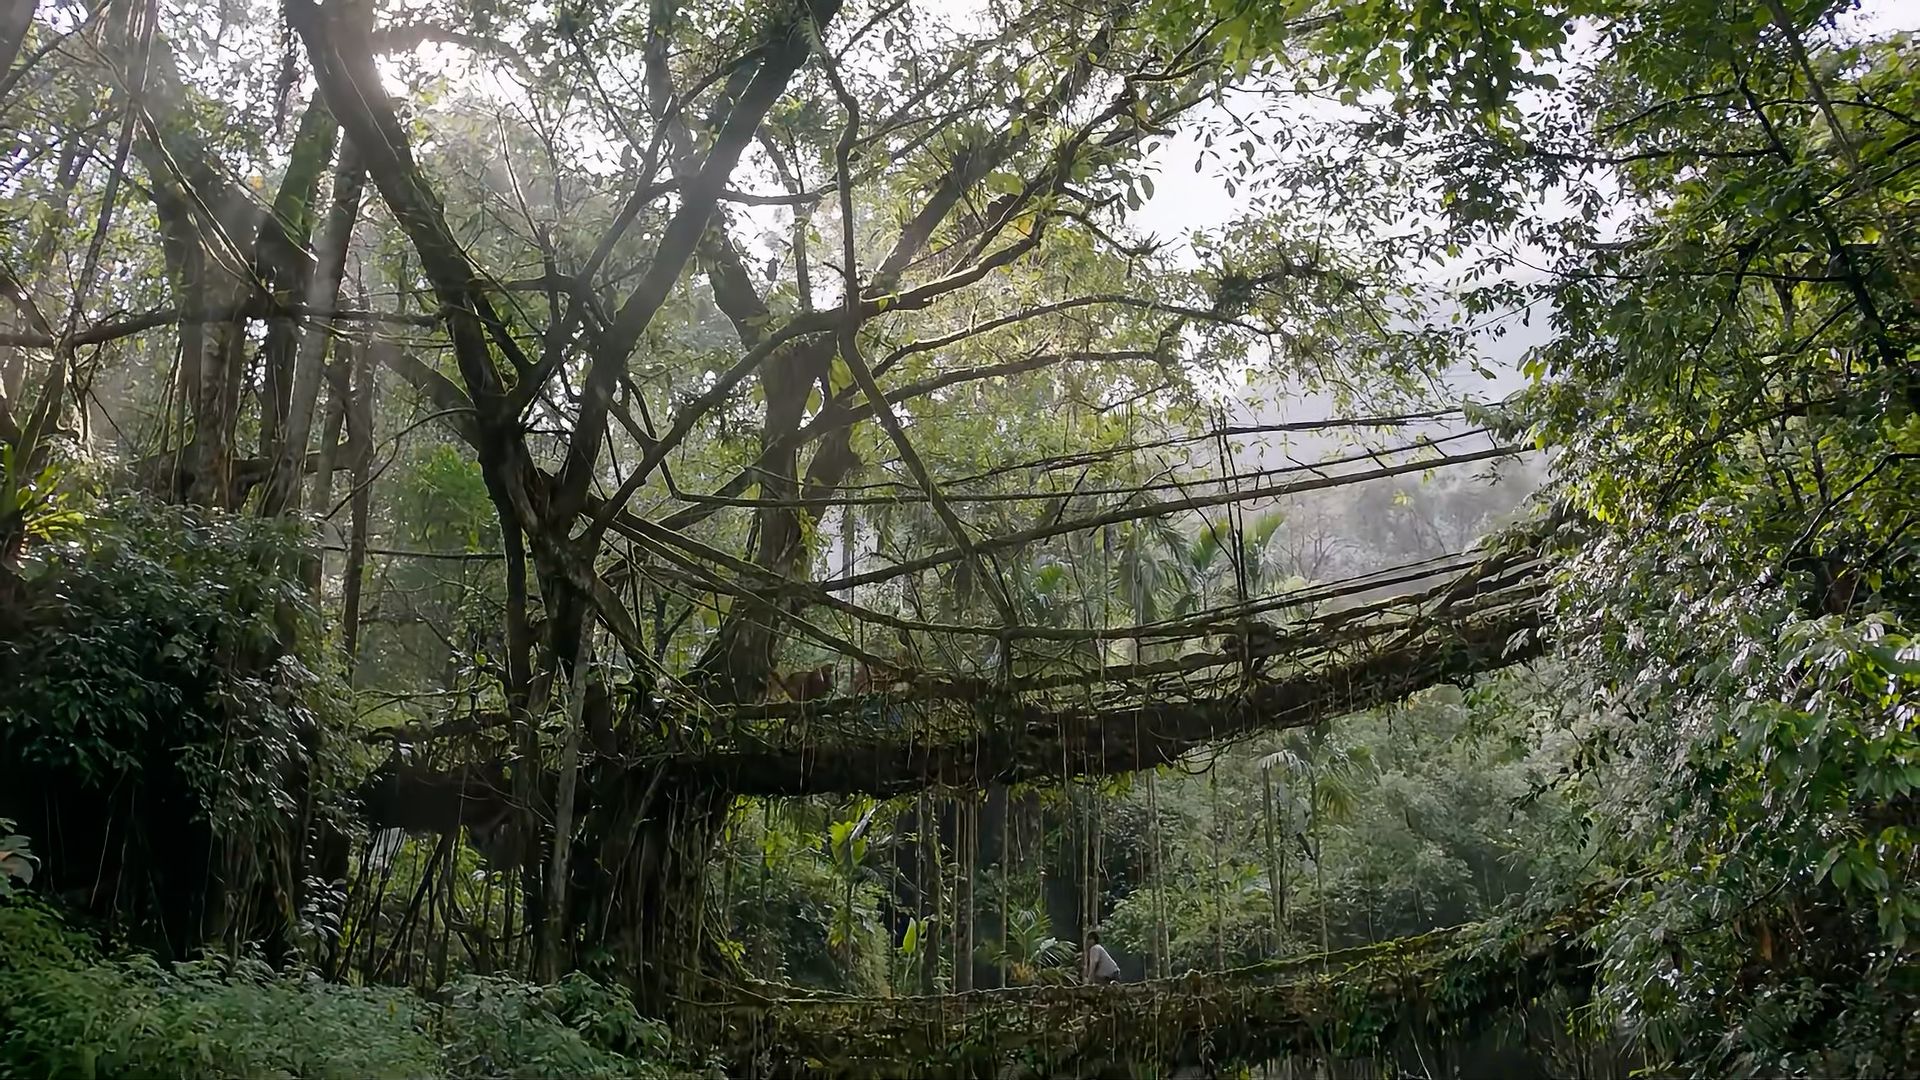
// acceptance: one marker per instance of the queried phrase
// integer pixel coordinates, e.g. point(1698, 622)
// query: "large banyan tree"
point(804, 347)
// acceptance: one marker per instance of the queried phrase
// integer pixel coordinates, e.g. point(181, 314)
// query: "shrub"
point(67, 1012)
point(67, 1015)
point(164, 698)
point(495, 1026)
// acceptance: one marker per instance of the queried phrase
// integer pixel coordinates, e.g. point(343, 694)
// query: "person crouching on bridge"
point(1097, 965)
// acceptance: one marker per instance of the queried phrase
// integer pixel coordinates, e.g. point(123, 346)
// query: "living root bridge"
point(1021, 742)
point(1448, 984)
point(674, 797)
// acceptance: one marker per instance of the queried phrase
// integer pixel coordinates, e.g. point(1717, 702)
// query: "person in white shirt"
point(1097, 965)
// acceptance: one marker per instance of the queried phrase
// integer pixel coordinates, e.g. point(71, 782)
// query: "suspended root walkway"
point(1448, 984)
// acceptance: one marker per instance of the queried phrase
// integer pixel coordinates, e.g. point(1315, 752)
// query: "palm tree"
point(1027, 948)
point(1328, 771)
point(1163, 572)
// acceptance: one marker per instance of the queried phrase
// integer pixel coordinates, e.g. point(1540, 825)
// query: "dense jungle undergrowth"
point(636, 538)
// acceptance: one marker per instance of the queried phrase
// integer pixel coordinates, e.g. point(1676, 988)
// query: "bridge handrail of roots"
point(1347, 1002)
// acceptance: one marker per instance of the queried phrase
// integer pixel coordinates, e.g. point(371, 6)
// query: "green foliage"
point(16, 860)
point(494, 1026)
point(166, 643)
point(450, 631)
point(33, 509)
point(1431, 814)
point(1028, 949)
point(69, 1013)
point(802, 895)
point(1731, 385)
point(33, 937)
point(1462, 62)
point(68, 1016)
point(1729, 393)
point(442, 502)
point(165, 698)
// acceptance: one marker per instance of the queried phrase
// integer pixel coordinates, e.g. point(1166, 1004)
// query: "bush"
point(171, 639)
point(496, 1026)
point(66, 1012)
point(168, 722)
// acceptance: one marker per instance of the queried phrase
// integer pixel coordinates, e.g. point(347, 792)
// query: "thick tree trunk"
point(216, 411)
point(211, 354)
point(640, 880)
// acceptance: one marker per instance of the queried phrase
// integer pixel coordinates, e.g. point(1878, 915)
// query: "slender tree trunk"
point(1286, 842)
point(1219, 898)
point(1096, 861)
point(1006, 877)
point(764, 952)
point(321, 502)
point(322, 293)
point(1319, 861)
point(287, 272)
point(1276, 878)
point(967, 825)
point(34, 280)
point(552, 958)
point(510, 934)
point(526, 789)
point(449, 910)
point(360, 501)
point(952, 928)
point(728, 862)
point(1158, 877)
point(933, 873)
point(1084, 885)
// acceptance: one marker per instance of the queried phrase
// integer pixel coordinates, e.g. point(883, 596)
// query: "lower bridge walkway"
point(1444, 985)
